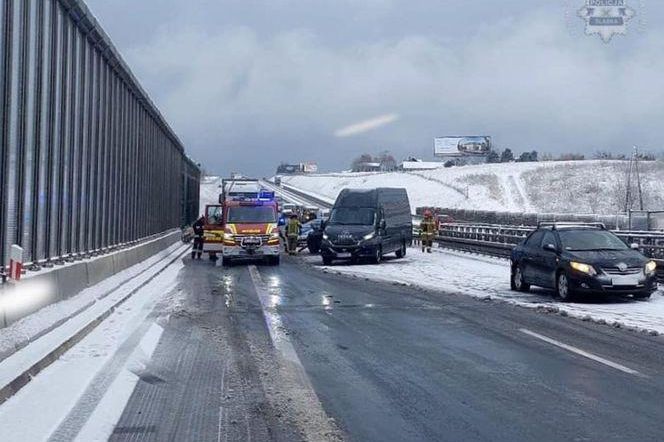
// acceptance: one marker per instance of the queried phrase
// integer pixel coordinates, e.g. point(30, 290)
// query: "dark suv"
point(576, 259)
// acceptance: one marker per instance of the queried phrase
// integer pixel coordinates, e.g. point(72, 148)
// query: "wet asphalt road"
point(387, 363)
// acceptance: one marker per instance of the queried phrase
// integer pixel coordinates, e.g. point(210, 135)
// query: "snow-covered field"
point(572, 186)
point(488, 278)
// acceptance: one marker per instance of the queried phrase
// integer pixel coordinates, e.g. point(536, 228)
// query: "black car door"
point(546, 261)
point(531, 247)
point(386, 231)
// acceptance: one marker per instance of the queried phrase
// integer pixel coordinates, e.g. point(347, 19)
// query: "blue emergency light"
point(265, 195)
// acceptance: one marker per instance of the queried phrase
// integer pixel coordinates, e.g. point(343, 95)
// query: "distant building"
point(420, 165)
point(367, 167)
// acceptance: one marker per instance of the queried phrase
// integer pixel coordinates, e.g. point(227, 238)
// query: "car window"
point(549, 238)
point(535, 239)
point(579, 240)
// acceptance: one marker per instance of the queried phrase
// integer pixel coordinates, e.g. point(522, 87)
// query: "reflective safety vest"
point(428, 227)
point(293, 227)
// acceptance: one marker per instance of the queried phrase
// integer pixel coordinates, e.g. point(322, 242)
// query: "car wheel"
point(563, 289)
point(642, 296)
point(225, 262)
point(516, 281)
point(327, 260)
point(402, 251)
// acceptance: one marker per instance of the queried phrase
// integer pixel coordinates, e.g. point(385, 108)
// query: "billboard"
point(310, 167)
point(461, 146)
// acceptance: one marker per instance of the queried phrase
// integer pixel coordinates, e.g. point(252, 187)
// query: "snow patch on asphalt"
point(487, 278)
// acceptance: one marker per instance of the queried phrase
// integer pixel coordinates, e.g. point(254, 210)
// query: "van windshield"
point(353, 216)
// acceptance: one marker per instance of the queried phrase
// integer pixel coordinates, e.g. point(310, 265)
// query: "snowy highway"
point(297, 352)
point(430, 347)
point(237, 221)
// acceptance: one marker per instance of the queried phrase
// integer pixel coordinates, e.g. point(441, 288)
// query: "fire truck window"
point(256, 215)
point(214, 215)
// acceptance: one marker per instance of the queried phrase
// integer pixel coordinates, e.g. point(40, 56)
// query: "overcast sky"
point(247, 84)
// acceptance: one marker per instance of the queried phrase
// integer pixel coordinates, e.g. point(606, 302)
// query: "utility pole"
point(628, 190)
point(638, 177)
point(633, 169)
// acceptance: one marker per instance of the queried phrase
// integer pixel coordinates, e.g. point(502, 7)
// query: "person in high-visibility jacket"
point(427, 231)
point(292, 233)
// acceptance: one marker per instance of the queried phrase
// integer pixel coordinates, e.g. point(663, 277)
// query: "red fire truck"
point(244, 225)
point(250, 230)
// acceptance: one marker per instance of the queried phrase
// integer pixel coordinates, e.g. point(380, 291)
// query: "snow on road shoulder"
point(32, 327)
point(488, 278)
point(103, 356)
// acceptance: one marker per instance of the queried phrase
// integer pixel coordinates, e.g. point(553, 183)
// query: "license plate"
point(344, 255)
point(625, 280)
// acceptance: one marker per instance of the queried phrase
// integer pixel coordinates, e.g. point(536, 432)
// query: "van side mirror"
point(634, 246)
point(382, 225)
point(550, 247)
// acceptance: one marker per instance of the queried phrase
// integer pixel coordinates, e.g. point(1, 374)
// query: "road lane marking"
point(222, 410)
point(316, 424)
point(580, 352)
point(279, 339)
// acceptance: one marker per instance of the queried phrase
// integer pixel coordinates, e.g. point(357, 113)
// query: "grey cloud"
point(245, 99)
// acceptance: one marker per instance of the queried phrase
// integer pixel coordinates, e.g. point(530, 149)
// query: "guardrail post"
point(15, 262)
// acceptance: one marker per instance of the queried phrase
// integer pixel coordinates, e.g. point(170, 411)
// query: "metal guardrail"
point(87, 162)
point(499, 240)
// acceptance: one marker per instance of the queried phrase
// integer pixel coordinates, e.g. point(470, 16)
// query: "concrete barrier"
point(99, 269)
point(69, 280)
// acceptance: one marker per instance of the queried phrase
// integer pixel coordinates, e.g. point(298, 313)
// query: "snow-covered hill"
point(572, 186)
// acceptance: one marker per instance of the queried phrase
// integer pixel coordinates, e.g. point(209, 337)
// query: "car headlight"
point(368, 236)
point(583, 268)
point(325, 236)
point(651, 266)
point(228, 236)
point(274, 234)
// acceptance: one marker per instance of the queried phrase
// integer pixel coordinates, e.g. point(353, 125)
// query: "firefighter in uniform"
point(292, 233)
point(197, 249)
point(427, 231)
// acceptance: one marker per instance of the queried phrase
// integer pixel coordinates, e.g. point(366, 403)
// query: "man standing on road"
point(427, 231)
point(198, 227)
point(292, 233)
